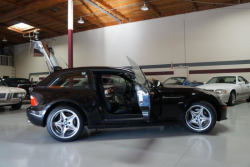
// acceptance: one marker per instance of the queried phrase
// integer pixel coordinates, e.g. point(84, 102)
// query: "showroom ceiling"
point(50, 16)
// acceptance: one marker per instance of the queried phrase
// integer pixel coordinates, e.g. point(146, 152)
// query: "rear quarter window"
point(73, 80)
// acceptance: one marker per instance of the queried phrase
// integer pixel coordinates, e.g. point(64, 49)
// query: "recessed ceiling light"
point(144, 7)
point(20, 27)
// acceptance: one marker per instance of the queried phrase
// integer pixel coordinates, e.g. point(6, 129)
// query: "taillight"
point(33, 100)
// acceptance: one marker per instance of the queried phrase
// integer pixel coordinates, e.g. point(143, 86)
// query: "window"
point(73, 80)
point(174, 81)
point(229, 79)
point(20, 27)
point(245, 80)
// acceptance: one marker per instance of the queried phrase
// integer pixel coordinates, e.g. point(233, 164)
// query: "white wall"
point(213, 35)
point(7, 71)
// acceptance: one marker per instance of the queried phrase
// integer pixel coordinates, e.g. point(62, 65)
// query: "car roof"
point(96, 68)
point(227, 76)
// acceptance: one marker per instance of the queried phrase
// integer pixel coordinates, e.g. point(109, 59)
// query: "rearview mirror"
point(156, 83)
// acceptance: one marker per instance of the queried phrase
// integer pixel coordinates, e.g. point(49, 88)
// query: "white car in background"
point(10, 96)
point(229, 88)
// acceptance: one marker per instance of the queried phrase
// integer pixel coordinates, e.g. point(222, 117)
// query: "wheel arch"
point(67, 103)
point(209, 99)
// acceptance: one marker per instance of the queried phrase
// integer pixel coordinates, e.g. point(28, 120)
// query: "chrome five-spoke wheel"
point(199, 117)
point(65, 123)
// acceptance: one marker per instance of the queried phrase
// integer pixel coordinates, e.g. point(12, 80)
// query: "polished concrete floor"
point(227, 145)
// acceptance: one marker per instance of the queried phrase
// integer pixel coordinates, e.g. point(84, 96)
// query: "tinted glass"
point(174, 81)
point(229, 79)
point(73, 80)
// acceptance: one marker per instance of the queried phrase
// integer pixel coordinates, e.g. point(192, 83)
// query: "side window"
point(245, 80)
point(240, 79)
point(73, 80)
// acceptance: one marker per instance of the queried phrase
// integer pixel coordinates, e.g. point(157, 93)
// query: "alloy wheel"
point(198, 118)
point(65, 123)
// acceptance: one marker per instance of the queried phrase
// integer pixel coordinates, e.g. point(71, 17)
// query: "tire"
point(65, 123)
point(248, 100)
point(232, 99)
point(17, 106)
point(200, 122)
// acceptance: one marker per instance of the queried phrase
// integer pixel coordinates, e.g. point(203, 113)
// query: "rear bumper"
point(35, 116)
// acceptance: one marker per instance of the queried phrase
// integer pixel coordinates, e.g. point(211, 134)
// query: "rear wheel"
point(232, 99)
point(200, 117)
point(17, 106)
point(65, 123)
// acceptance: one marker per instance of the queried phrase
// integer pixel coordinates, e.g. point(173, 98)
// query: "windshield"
point(2, 82)
point(229, 80)
point(174, 81)
point(140, 77)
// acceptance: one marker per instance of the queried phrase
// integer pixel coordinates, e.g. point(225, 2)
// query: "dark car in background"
point(20, 83)
point(181, 81)
point(69, 99)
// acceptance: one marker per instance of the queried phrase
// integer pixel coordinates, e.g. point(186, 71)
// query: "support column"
point(70, 33)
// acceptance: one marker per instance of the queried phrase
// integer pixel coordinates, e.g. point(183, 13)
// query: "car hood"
point(215, 86)
point(6, 89)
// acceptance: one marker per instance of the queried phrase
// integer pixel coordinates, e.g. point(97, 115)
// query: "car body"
point(181, 81)
point(11, 96)
point(229, 88)
point(66, 108)
point(20, 83)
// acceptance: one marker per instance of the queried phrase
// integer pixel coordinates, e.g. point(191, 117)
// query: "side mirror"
point(156, 83)
point(242, 83)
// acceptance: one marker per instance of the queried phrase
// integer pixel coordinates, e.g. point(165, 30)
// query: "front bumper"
point(223, 113)
point(5, 102)
point(224, 97)
point(35, 116)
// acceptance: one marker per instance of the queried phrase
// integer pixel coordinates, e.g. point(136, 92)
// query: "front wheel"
point(17, 106)
point(200, 117)
point(232, 99)
point(248, 100)
point(65, 123)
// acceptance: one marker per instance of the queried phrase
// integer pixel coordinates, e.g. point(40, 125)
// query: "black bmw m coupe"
point(69, 99)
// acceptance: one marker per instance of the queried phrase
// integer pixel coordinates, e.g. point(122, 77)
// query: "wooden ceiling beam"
point(239, 1)
point(110, 10)
point(17, 4)
point(29, 8)
point(38, 26)
point(90, 19)
point(154, 9)
point(53, 19)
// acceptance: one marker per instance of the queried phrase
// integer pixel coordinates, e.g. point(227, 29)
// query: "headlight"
point(221, 91)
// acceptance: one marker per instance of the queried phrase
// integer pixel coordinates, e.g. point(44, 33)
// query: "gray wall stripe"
point(213, 63)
